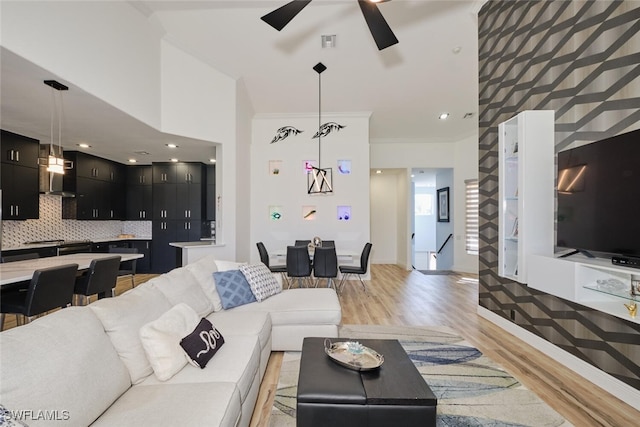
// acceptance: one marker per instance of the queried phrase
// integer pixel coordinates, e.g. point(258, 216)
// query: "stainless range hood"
point(51, 183)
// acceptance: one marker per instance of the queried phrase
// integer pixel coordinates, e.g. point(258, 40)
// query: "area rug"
point(472, 390)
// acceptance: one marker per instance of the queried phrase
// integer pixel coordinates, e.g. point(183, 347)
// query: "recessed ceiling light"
point(172, 145)
point(378, 171)
point(83, 145)
point(212, 160)
point(174, 160)
point(443, 116)
point(132, 160)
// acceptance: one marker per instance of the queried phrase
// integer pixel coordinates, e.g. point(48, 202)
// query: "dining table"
point(21, 271)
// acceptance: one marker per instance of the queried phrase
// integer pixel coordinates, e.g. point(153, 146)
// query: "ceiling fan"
point(378, 26)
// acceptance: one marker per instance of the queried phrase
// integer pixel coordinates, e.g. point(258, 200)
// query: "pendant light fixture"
point(55, 162)
point(319, 179)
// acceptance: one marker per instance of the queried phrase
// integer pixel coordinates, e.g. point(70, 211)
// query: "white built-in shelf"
point(575, 278)
point(526, 179)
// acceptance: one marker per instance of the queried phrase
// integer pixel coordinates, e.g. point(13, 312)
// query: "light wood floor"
point(398, 297)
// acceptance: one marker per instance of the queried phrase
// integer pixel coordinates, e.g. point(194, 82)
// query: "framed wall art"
point(443, 204)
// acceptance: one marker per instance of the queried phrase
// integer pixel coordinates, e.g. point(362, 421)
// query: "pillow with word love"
point(202, 344)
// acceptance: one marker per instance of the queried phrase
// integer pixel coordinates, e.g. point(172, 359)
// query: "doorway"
point(427, 231)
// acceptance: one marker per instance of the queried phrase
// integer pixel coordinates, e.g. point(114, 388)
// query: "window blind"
point(471, 216)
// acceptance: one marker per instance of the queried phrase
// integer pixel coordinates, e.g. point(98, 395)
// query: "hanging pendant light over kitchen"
point(55, 162)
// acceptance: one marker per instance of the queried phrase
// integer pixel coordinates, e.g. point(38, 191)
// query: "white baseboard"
point(589, 372)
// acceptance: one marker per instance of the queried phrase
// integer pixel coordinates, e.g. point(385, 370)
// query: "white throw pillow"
point(203, 270)
point(261, 280)
point(161, 340)
point(179, 285)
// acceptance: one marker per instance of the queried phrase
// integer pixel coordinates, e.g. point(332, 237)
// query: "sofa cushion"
point(232, 323)
point(203, 404)
point(122, 318)
point(161, 340)
point(180, 286)
point(202, 344)
point(237, 361)
point(224, 265)
point(233, 288)
point(261, 280)
point(314, 306)
point(203, 270)
point(63, 361)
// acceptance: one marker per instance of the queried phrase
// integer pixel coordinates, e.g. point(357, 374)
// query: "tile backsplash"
point(51, 226)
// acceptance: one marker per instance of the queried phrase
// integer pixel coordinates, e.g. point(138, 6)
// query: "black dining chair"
point(298, 264)
point(358, 271)
point(264, 258)
point(328, 244)
point(302, 243)
point(49, 288)
point(127, 268)
point(100, 279)
point(325, 264)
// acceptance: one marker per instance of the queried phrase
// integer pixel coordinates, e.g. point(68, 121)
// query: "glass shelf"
point(626, 295)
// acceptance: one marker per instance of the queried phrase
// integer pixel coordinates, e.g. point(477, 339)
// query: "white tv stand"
point(574, 279)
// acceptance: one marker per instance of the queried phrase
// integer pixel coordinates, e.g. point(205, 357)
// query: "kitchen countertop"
point(54, 244)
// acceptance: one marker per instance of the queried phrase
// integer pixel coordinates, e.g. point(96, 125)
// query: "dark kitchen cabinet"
point(139, 175)
point(178, 209)
point(143, 265)
point(163, 256)
point(19, 177)
point(164, 202)
point(139, 203)
point(99, 185)
point(139, 193)
point(210, 203)
point(19, 149)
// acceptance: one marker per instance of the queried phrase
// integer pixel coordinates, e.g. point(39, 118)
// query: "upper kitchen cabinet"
point(19, 180)
point(19, 150)
point(88, 166)
point(99, 185)
point(139, 193)
point(139, 175)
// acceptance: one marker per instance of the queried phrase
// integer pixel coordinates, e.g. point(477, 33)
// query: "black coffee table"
point(330, 395)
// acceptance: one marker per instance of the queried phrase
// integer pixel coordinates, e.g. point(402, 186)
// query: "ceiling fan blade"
point(378, 26)
point(282, 15)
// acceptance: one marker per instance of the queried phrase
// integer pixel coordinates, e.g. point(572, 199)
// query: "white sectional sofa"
point(87, 366)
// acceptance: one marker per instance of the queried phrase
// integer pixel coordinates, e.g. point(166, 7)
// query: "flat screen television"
point(599, 197)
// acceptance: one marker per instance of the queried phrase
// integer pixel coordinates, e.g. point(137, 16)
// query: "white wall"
point(288, 189)
point(465, 167)
point(107, 49)
point(243, 175)
point(384, 216)
point(197, 100)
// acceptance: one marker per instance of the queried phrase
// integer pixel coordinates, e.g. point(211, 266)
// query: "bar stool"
point(49, 288)
point(100, 278)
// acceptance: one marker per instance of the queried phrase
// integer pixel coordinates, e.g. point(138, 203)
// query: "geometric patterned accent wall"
point(581, 59)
